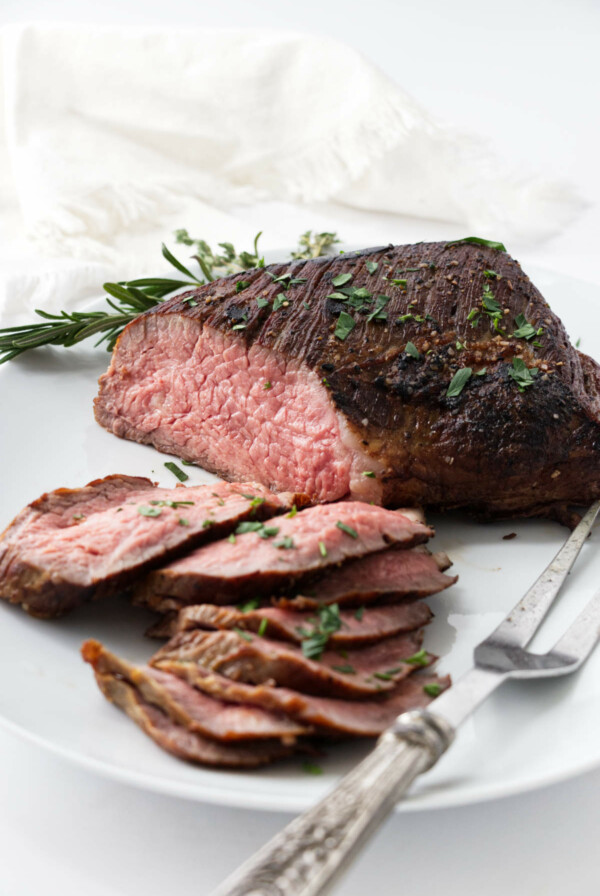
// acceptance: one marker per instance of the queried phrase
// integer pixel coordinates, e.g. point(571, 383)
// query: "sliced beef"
point(361, 718)
point(189, 707)
point(360, 627)
point(282, 393)
point(350, 674)
point(289, 550)
point(74, 545)
point(387, 575)
point(180, 741)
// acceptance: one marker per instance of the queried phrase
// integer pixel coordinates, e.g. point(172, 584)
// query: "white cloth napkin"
point(117, 134)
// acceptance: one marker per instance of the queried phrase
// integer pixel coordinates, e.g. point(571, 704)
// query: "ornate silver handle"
point(306, 857)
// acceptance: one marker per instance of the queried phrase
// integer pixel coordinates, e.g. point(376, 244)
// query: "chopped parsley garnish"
point(344, 326)
point(174, 469)
point(490, 275)
point(359, 613)
point(481, 372)
point(341, 279)
point(242, 634)
point(412, 350)
point(432, 689)
point(254, 501)
point(231, 538)
point(322, 549)
point(383, 676)
point(279, 301)
point(473, 316)
point(521, 374)
point(81, 516)
point(371, 266)
point(311, 768)
point(267, 385)
point(420, 658)
point(369, 474)
point(206, 524)
point(241, 284)
point(477, 241)
point(261, 530)
point(396, 282)
point(578, 343)
point(292, 281)
point(262, 302)
point(292, 512)
point(525, 330)
point(262, 627)
point(182, 521)
point(346, 669)
point(248, 605)
point(347, 529)
point(174, 504)
point(286, 543)
point(190, 301)
point(326, 624)
point(378, 313)
point(459, 345)
point(149, 511)
point(458, 382)
point(491, 307)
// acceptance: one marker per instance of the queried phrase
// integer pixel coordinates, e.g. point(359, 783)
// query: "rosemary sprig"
point(130, 298)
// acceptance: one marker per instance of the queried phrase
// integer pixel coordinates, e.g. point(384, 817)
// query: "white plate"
point(527, 735)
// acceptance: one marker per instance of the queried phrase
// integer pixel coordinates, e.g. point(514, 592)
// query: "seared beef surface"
point(74, 545)
point(251, 381)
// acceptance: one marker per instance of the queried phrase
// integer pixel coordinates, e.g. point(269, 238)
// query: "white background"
point(526, 76)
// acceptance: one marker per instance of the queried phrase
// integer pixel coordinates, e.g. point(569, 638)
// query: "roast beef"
point(350, 674)
point(291, 549)
point(387, 575)
point(182, 742)
point(331, 377)
point(73, 545)
point(362, 718)
point(358, 627)
point(189, 707)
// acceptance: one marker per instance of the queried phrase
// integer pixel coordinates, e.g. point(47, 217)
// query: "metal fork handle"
point(307, 856)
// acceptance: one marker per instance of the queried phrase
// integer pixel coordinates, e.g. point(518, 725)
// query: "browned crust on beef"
point(492, 449)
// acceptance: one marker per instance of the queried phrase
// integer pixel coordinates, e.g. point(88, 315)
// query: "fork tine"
point(524, 620)
point(581, 637)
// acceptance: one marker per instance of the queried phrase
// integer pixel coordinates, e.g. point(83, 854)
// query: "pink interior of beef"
point(207, 397)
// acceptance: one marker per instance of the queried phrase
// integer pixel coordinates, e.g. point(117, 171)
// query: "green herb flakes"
point(521, 374)
point(183, 521)
point(248, 606)
point(341, 279)
point(231, 538)
point(262, 627)
point(359, 613)
point(149, 511)
point(327, 622)
point(206, 524)
point(286, 543)
point(267, 385)
point(477, 241)
point(525, 330)
point(420, 658)
point(176, 471)
point(371, 266)
point(347, 529)
point(432, 689)
point(242, 634)
point(280, 301)
point(459, 381)
point(345, 669)
point(262, 302)
point(412, 350)
point(490, 275)
point(345, 325)
point(292, 512)
point(378, 313)
point(311, 768)
point(241, 284)
point(322, 549)
point(369, 474)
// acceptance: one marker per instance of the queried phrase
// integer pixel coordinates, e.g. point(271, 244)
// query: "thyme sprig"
point(128, 299)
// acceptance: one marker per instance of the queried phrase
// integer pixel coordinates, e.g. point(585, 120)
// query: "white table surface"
point(525, 75)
